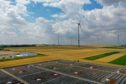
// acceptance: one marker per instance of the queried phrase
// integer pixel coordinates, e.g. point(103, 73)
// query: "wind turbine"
point(79, 26)
point(78, 30)
point(58, 39)
point(118, 37)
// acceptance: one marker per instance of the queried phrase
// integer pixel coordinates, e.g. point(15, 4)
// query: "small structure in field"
point(14, 55)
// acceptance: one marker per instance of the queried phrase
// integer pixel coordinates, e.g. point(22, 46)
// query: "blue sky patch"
point(38, 10)
point(94, 5)
point(13, 2)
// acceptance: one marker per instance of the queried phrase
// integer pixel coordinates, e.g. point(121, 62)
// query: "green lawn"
point(119, 61)
point(101, 55)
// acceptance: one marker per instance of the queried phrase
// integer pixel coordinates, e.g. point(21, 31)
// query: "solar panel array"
point(62, 72)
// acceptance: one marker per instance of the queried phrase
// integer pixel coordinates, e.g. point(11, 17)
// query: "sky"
point(42, 21)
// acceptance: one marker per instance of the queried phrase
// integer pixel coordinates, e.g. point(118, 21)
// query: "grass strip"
point(101, 55)
point(119, 61)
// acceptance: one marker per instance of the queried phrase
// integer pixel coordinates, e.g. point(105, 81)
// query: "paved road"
point(67, 74)
point(14, 76)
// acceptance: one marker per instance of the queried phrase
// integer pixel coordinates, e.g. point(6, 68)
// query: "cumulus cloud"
point(112, 2)
point(103, 24)
point(97, 26)
point(107, 20)
point(17, 30)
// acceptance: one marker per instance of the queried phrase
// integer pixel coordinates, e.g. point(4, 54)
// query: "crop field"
point(3, 52)
point(97, 55)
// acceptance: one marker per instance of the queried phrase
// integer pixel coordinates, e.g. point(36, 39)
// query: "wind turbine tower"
point(79, 25)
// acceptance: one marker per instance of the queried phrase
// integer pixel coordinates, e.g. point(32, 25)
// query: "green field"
point(119, 61)
point(101, 55)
